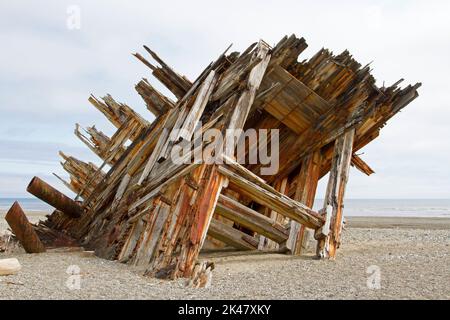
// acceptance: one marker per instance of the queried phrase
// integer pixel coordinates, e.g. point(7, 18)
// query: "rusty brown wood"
point(53, 197)
point(329, 236)
point(23, 230)
point(306, 187)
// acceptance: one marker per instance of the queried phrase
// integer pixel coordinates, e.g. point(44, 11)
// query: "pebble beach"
point(406, 258)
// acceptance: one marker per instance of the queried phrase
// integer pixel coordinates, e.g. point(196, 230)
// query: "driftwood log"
point(23, 230)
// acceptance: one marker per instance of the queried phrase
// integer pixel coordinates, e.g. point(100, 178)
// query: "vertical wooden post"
point(23, 230)
point(265, 243)
point(305, 192)
point(186, 226)
point(329, 235)
point(202, 212)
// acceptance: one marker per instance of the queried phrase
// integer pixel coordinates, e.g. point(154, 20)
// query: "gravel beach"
point(412, 258)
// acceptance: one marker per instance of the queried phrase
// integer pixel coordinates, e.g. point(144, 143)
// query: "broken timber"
point(151, 210)
point(23, 230)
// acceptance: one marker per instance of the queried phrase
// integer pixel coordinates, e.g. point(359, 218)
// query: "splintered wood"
point(152, 204)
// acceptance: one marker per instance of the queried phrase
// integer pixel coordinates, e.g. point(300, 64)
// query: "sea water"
point(353, 207)
point(394, 207)
point(27, 204)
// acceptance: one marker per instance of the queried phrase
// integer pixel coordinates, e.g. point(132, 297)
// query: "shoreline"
point(375, 222)
point(429, 223)
point(412, 254)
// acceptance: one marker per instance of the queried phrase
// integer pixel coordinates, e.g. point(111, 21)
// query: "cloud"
point(48, 71)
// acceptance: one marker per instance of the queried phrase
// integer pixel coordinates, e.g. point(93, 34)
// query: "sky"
point(49, 66)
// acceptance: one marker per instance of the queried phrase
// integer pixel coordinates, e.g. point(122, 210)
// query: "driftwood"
point(23, 230)
point(148, 209)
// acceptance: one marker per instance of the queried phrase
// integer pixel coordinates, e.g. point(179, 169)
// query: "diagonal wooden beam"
point(231, 236)
point(177, 84)
point(156, 102)
point(118, 113)
point(255, 221)
point(362, 166)
point(274, 200)
point(98, 142)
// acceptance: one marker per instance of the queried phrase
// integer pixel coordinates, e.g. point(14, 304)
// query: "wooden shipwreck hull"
point(152, 211)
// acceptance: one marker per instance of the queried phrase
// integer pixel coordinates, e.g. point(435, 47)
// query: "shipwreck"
point(143, 208)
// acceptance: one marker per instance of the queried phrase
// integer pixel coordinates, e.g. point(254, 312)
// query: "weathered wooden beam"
point(177, 84)
point(330, 234)
point(80, 173)
point(287, 50)
point(53, 197)
point(196, 111)
point(127, 162)
point(115, 149)
point(274, 200)
point(231, 236)
point(23, 230)
point(98, 142)
point(203, 212)
point(246, 99)
point(246, 217)
point(188, 223)
point(307, 181)
point(343, 116)
point(235, 75)
point(244, 172)
point(154, 156)
point(181, 81)
point(156, 102)
point(118, 113)
point(361, 165)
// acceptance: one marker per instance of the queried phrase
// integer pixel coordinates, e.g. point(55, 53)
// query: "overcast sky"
point(47, 72)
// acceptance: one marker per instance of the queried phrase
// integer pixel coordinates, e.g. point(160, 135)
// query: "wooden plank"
point(23, 230)
point(231, 236)
point(246, 217)
point(196, 111)
point(156, 151)
point(361, 165)
point(329, 239)
point(296, 105)
point(307, 181)
point(118, 113)
point(275, 200)
point(245, 102)
point(156, 102)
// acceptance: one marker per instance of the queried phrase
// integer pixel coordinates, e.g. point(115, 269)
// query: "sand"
point(411, 255)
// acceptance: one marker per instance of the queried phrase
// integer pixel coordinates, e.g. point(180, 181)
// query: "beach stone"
point(9, 266)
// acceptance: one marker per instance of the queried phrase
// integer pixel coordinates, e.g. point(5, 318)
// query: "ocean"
point(434, 208)
point(27, 204)
point(353, 207)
